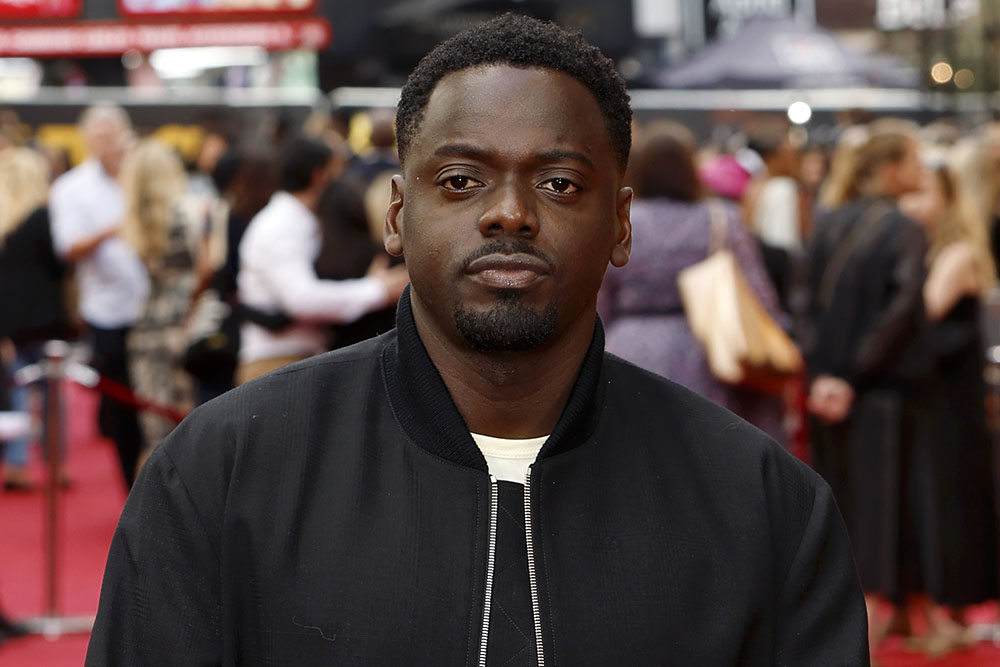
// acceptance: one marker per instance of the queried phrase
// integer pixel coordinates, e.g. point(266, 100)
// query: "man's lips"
point(516, 271)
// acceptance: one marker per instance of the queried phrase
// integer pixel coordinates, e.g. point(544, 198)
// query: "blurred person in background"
point(953, 451)
point(981, 170)
point(640, 303)
point(723, 176)
point(277, 276)
point(348, 246)
point(381, 156)
point(8, 628)
point(814, 165)
point(841, 169)
point(87, 208)
point(246, 179)
point(773, 206)
point(158, 228)
point(211, 149)
point(32, 301)
point(863, 311)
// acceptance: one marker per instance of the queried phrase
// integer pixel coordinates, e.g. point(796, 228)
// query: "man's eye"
point(563, 186)
point(460, 183)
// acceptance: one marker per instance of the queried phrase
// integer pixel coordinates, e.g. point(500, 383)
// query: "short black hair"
point(300, 157)
point(519, 41)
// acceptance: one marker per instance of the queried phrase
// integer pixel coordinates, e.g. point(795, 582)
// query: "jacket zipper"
point(532, 581)
point(490, 563)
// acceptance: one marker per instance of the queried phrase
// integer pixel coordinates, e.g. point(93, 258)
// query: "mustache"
point(511, 247)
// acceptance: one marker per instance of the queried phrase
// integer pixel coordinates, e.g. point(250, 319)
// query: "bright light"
point(964, 78)
point(186, 63)
point(799, 112)
point(941, 72)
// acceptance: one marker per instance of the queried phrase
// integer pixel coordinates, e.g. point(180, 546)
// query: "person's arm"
point(86, 247)
point(952, 277)
point(161, 599)
point(904, 310)
point(821, 616)
point(290, 276)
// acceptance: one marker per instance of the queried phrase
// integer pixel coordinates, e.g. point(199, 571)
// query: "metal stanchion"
point(51, 372)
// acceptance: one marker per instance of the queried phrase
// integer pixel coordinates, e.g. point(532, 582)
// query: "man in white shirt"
point(277, 276)
point(87, 208)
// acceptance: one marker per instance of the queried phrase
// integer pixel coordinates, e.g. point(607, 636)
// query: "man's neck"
point(308, 198)
point(508, 394)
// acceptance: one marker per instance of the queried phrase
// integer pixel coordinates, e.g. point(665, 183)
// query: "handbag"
point(213, 337)
point(743, 344)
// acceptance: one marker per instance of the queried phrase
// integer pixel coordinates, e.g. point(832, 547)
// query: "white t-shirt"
point(507, 459)
point(776, 215)
point(113, 282)
point(277, 253)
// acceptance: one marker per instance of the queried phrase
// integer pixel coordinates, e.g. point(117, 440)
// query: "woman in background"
point(32, 303)
point(154, 180)
point(953, 453)
point(860, 326)
point(640, 303)
point(246, 179)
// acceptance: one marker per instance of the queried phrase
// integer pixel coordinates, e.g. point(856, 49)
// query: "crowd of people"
point(879, 266)
point(874, 252)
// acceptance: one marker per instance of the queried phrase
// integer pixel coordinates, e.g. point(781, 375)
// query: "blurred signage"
point(15, 9)
point(815, 53)
point(212, 7)
point(923, 14)
point(838, 14)
point(724, 17)
point(657, 18)
point(108, 39)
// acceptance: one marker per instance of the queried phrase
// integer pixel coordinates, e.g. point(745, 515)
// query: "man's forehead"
point(502, 103)
point(502, 80)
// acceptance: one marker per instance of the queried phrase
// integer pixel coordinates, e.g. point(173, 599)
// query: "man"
point(87, 208)
point(277, 276)
point(342, 512)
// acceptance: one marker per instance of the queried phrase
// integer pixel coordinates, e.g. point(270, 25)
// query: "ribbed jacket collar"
point(428, 414)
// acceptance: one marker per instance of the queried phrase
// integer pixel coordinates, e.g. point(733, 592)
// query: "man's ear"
point(623, 243)
point(392, 233)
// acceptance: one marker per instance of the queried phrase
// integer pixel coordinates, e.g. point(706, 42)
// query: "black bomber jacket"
point(337, 512)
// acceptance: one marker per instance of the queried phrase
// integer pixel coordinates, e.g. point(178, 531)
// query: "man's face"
point(509, 209)
point(107, 141)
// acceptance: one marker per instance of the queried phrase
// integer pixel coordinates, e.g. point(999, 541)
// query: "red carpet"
point(90, 511)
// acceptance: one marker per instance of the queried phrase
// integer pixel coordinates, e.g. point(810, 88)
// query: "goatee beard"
point(508, 326)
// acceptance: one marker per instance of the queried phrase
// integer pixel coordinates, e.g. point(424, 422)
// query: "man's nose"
point(511, 212)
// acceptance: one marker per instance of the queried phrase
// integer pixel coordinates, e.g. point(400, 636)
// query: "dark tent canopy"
point(783, 53)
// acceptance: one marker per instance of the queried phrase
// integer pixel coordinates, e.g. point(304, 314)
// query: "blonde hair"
point(971, 165)
point(24, 186)
point(153, 178)
point(962, 222)
point(834, 189)
point(856, 162)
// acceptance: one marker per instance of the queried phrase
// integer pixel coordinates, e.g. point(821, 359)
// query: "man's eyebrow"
point(476, 153)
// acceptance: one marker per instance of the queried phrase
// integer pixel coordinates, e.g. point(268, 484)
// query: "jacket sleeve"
point(160, 601)
point(821, 617)
point(903, 312)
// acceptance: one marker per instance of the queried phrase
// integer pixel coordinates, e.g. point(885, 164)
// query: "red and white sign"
point(110, 39)
point(212, 7)
point(38, 9)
